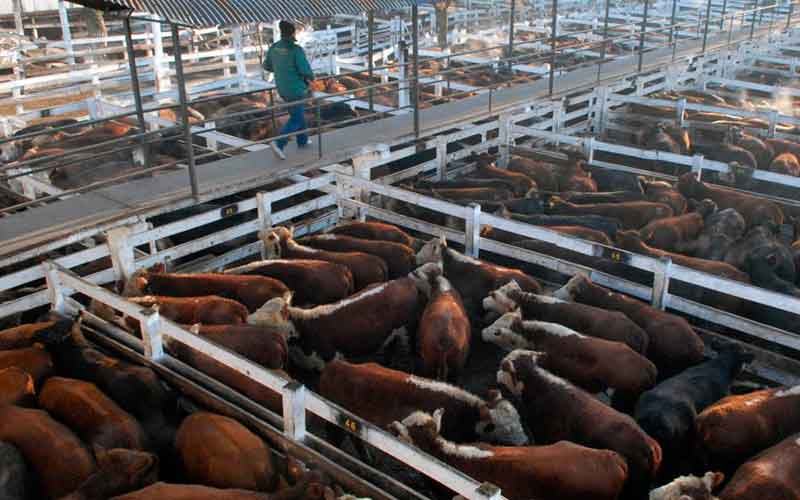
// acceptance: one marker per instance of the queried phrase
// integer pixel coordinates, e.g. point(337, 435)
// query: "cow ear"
point(494, 396)
point(484, 414)
point(437, 419)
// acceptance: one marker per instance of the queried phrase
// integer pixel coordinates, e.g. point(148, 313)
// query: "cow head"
point(689, 488)
point(275, 313)
point(419, 427)
point(513, 365)
point(502, 300)
point(500, 422)
point(629, 240)
point(573, 287)
point(136, 284)
point(432, 251)
point(689, 185)
point(734, 135)
point(506, 332)
point(425, 276)
point(706, 208)
point(272, 244)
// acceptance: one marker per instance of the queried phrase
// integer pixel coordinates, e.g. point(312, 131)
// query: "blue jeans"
point(297, 121)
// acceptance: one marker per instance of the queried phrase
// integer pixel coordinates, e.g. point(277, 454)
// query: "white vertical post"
point(441, 158)
point(55, 288)
point(18, 25)
point(680, 109)
point(66, 34)
point(241, 68)
point(211, 143)
point(151, 335)
point(588, 149)
point(472, 229)
point(19, 74)
point(558, 115)
point(276, 32)
point(773, 122)
point(121, 252)
point(505, 136)
point(264, 204)
point(697, 166)
point(601, 105)
point(661, 284)
point(403, 96)
point(294, 410)
point(162, 76)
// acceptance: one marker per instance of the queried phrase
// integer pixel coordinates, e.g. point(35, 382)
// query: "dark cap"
point(287, 29)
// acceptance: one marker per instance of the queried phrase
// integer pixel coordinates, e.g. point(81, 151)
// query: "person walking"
point(293, 74)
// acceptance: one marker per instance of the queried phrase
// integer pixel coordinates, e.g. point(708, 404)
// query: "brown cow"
point(785, 164)
point(773, 474)
point(583, 233)
point(588, 320)
point(557, 410)
point(468, 194)
point(444, 332)
point(572, 177)
point(588, 362)
point(522, 472)
point(668, 233)
point(312, 281)
point(399, 258)
point(664, 192)
point(166, 491)
point(210, 309)
point(737, 427)
point(118, 471)
point(359, 325)
point(521, 184)
point(689, 488)
point(91, 414)
point(382, 395)
point(263, 345)
point(252, 291)
point(632, 214)
point(22, 335)
point(372, 230)
point(544, 174)
point(367, 269)
point(59, 459)
point(218, 451)
point(473, 278)
point(16, 387)
point(34, 360)
point(631, 241)
point(673, 344)
point(756, 211)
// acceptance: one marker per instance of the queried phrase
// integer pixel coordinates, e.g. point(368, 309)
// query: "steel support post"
point(187, 130)
point(605, 40)
point(641, 36)
point(137, 92)
point(415, 71)
point(553, 36)
point(18, 25)
point(705, 31)
point(673, 36)
point(722, 17)
point(753, 23)
point(66, 34)
point(789, 15)
point(370, 62)
point(512, 16)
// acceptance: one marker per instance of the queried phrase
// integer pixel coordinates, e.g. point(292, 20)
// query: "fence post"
point(697, 166)
point(121, 252)
point(55, 288)
point(294, 410)
point(151, 335)
point(773, 122)
point(241, 68)
point(588, 149)
point(661, 284)
point(264, 205)
point(506, 137)
point(19, 74)
point(601, 106)
point(472, 229)
point(681, 112)
point(441, 158)
point(66, 35)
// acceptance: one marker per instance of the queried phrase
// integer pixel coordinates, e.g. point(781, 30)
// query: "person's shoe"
point(307, 144)
point(278, 151)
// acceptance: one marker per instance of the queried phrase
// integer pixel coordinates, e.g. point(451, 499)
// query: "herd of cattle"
point(396, 330)
point(79, 424)
point(697, 224)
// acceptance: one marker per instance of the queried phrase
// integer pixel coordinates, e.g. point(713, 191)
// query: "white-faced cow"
point(372, 230)
point(473, 278)
point(367, 269)
point(588, 320)
point(588, 362)
point(208, 310)
point(772, 474)
point(312, 282)
point(560, 471)
point(359, 325)
point(689, 488)
point(399, 258)
point(556, 410)
point(444, 331)
point(673, 345)
point(252, 291)
point(382, 395)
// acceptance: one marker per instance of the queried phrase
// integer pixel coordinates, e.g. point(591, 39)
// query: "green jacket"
point(288, 61)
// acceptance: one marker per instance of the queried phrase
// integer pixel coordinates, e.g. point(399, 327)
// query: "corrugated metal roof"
point(225, 12)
